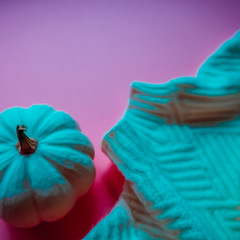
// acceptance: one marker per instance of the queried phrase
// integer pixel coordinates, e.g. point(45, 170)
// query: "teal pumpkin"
point(46, 164)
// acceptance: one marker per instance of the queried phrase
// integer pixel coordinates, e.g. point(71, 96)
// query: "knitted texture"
point(178, 146)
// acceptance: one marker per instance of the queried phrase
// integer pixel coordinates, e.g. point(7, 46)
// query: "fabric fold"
point(178, 147)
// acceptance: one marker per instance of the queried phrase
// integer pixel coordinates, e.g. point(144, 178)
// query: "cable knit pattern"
point(178, 146)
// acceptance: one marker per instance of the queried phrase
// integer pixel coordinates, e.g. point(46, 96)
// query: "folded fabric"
point(178, 146)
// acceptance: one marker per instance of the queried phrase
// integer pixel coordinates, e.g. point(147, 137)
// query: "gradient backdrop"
point(81, 56)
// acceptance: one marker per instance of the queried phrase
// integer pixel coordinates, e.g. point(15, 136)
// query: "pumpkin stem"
point(25, 145)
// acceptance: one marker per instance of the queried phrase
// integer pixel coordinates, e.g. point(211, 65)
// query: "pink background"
point(81, 56)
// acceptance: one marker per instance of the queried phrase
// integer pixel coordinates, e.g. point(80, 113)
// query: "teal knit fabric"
point(178, 146)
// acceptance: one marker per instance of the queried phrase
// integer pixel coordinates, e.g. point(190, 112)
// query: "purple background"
point(81, 56)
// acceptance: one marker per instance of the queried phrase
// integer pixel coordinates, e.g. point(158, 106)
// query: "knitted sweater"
point(178, 146)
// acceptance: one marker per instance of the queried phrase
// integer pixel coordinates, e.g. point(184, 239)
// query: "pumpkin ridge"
point(27, 185)
point(84, 149)
point(32, 192)
point(55, 191)
point(71, 133)
point(5, 138)
point(36, 115)
point(73, 154)
point(5, 146)
point(53, 123)
point(68, 172)
point(9, 173)
point(70, 138)
point(9, 121)
point(4, 165)
point(9, 128)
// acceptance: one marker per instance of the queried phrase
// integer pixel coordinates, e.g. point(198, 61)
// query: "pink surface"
point(81, 56)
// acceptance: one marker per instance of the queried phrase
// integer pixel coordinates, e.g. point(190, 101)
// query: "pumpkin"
point(46, 164)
